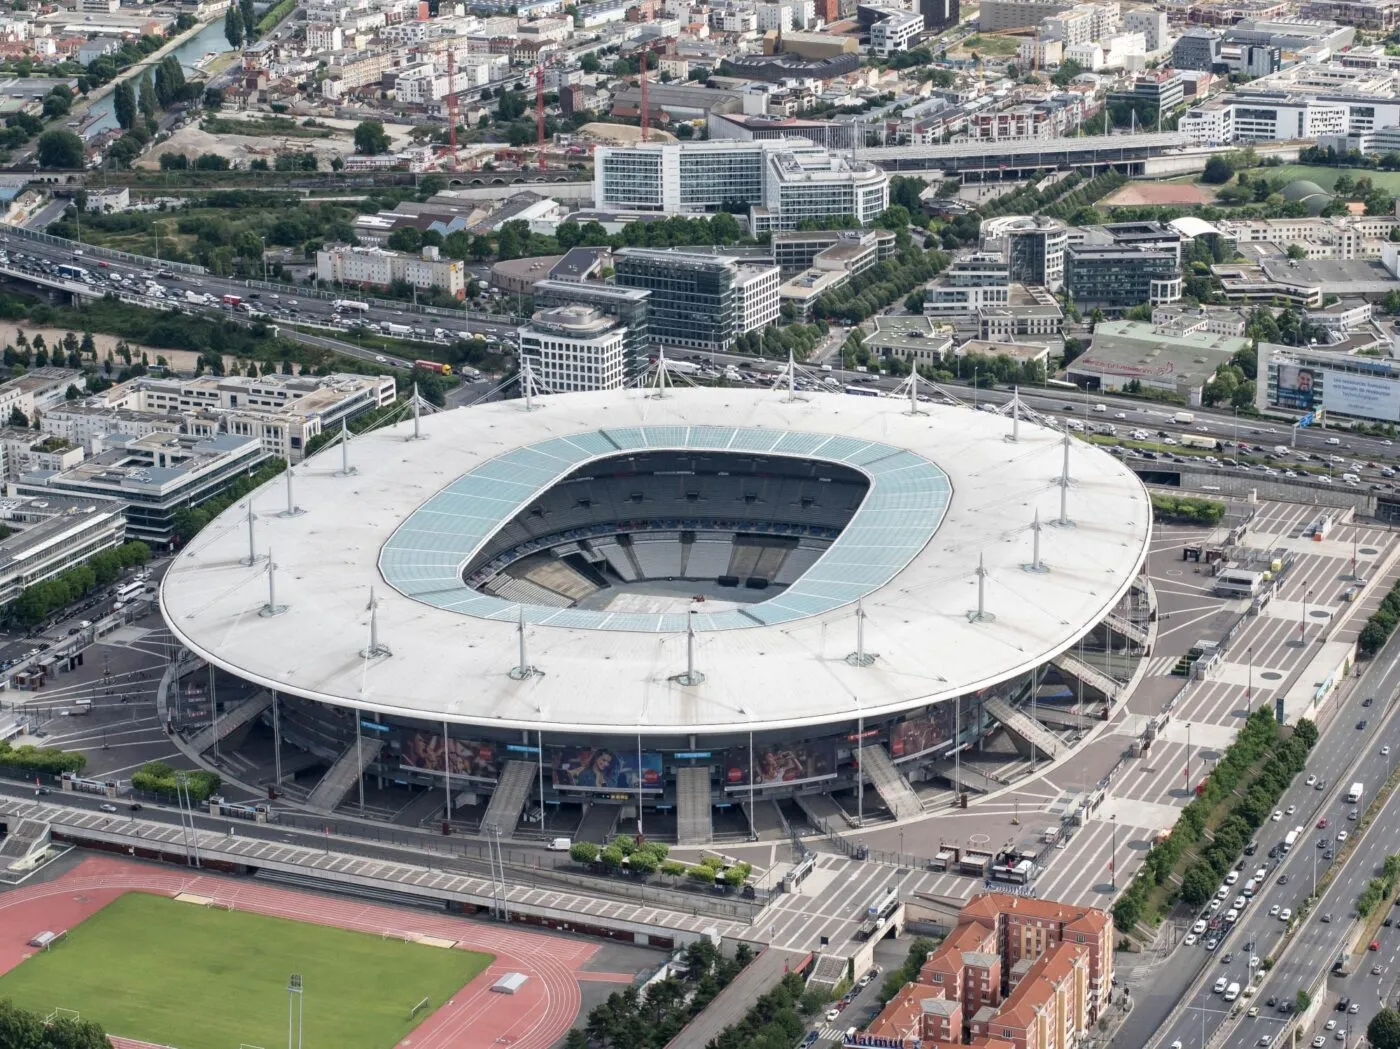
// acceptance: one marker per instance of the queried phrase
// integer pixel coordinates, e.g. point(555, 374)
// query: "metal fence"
point(98, 252)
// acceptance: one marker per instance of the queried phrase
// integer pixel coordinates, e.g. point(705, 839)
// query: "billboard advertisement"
point(598, 768)
point(1364, 396)
point(1297, 387)
point(780, 765)
point(465, 758)
point(933, 730)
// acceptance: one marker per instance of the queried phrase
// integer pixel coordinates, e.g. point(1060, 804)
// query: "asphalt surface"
point(1342, 756)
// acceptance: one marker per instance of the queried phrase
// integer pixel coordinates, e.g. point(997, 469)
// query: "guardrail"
point(95, 251)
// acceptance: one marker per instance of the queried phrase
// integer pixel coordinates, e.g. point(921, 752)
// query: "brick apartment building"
point(1016, 973)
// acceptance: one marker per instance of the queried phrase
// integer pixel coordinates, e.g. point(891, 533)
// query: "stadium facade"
point(689, 601)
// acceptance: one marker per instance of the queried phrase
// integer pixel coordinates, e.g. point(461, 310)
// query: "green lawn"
point(1003, 46)
point(200, 978)
point(1326, 177)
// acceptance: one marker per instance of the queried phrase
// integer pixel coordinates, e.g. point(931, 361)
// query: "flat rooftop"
point(947, 490)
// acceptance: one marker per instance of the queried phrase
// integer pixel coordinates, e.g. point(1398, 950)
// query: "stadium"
point(684, 603)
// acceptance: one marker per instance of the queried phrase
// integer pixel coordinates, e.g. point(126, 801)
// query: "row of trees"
point(1380, 625)
point(37, 601)
point(156, 777)
point(624, 853)
point(34, 761)
point(190, 519)
point(22, 1029)
point(886, 282)
point(651, 1018)
point(1380, 890)
point(774, 1021)
point(1257, 752)
point(1186, 509)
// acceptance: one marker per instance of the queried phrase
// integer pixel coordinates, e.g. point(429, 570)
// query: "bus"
point(862, 391)
point(350, 306)
point(72, 272)
point(128, 592)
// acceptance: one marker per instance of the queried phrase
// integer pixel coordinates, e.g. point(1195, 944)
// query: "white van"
point(1100, 407)
point(1334, 440)
point(1351, 479)
point(1221, 984)
point(1232, 992)
point(560, 845)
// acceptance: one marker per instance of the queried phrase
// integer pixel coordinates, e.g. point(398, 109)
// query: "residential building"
point(1081, 24)
point(1126, 352)
point(1339, 237)
point(1371, 15)
point(24, 450)
point(379, 268)
point(154, 476)
point(782, 180)
point(575, 348)
point(700, 302)
point(993, 15)
point(108, 201)
point(34, 392)
point(51, 535)
point(1118, 278)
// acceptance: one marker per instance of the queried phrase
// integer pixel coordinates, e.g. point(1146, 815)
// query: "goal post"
point(418, 1008)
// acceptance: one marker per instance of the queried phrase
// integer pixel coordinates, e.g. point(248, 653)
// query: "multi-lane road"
point(1343, 755)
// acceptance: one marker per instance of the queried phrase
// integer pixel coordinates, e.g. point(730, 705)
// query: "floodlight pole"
point(540, 756)
point(276, 740)
point(360, 757)
point(640, 831)
point(446, 771)
point(294, 1009)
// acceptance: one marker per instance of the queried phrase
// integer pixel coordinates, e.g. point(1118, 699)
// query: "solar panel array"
point(908, 497)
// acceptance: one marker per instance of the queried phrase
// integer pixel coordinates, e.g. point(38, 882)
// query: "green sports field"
point(200, 978)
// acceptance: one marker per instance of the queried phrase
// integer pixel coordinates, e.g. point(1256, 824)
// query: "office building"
point(36, 391)
point(1162, 90)
point(284, 412)
point(1118, 278)
point(940, 14)
point(993, 15)
point(1150, 23)
point(154, 476)
point(829, 134)
point(1291, 34)
point(1035, 251)
point(379, 268)
point(51, 535)
point(627, 306)
point(1371, 15)
point(853, 250)
point(575, 348)
point(1197, 48)
point(1302, 379)
point(1030, 312)
point(977, 280)
point(783, 181)
point(700, 302)
point(1140, 234)
point(896, 32)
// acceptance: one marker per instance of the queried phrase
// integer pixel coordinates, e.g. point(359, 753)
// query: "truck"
point(433, 366)
point(1195, 440)
point(1354, 793)
point(390, 328)
point(195, 298)
point(350, 306)
point(1183, 418)
point(878, 910)
point(682, 367)
point(231, 300)
point(1289, 840)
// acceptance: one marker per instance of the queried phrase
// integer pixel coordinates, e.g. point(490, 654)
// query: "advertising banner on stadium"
point(931, 731)
point(466, 759)
point(1365, 396)
point(590, 768)
point(780, 765)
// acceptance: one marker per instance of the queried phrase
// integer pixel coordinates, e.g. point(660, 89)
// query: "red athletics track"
point(535, 1017)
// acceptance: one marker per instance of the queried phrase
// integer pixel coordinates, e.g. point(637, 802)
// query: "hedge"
point(1381, 624)
point(156, 777)
point(1259, 737)
point(1186, 509)
point(31, 759)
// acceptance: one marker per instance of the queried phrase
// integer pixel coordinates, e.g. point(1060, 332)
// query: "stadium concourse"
point(614, 606)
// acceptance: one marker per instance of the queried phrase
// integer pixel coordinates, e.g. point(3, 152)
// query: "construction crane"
point(539, 107)
point(644, 94)
point(452, 106)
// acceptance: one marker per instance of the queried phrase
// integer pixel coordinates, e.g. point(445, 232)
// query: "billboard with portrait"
point(598, 768)
point(932, 730)
point(780, 765)
point(1297, 387)
point(464, 758)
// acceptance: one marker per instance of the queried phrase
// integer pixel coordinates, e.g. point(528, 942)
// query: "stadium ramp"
point(1021, 726)
point(1092, 677)
point(1124, 627)
point(230, 721)
point(693, 822)
point(344, 774)
point(508, 799)
point(889, 783)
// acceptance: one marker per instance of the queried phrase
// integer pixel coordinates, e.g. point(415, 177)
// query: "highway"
point(1343, 755)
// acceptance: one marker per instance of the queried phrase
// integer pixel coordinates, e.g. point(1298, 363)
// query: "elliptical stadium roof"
point(946, 488)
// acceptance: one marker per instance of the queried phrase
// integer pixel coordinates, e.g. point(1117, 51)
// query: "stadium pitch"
point(194, 977)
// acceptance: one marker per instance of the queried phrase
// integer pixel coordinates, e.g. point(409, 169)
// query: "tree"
point(146, 96)
point(405, 238)
point(1297, 252)
point(124, 104)
point(233, 27)
point(60, 149)
point(1198, 885)
point(214, 99)
point(583, 852)
point(1218, 170)
point(18, 418)
point(370, 138)
point(1069, 69)
point(1383, 1032)
point(55, 106)
point(508, 242)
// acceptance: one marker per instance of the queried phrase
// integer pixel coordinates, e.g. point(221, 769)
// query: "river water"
point(210, 38)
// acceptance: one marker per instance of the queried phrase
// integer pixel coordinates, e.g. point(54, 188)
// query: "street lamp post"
point(1113, 852)
point(1188, 757)
point(1249, 689)
point(1303, 622)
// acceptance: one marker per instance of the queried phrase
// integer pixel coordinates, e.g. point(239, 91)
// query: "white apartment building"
point(324, 36)
point(773, 16)
point(551, 30)
point(1341, 237)
point(376, 267)
point(422, 86)
point(756, 297)
point(1248, 117)
point(783, 180)
point(896, 33)
point(1081, 24)
point(283, 412)
point(575, 348)
point(733, 20)
point(1151, 24)
point(35, 392)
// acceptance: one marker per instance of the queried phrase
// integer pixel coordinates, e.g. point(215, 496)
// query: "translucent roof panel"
point(425, 557)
